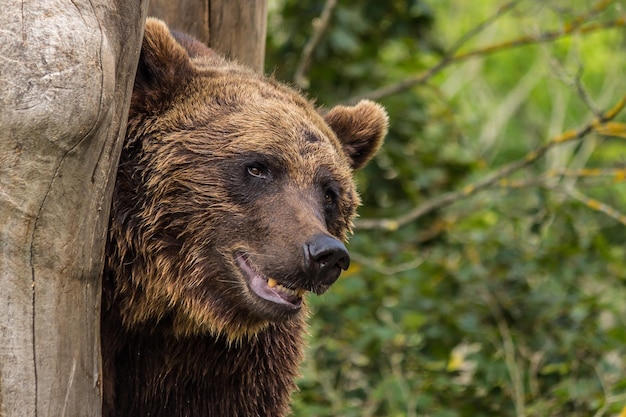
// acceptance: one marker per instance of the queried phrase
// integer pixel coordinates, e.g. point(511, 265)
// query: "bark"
point(234, 28)
point(66, 73)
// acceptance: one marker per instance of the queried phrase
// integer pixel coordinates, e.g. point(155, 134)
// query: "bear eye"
point(257, 171)
point(330, 197)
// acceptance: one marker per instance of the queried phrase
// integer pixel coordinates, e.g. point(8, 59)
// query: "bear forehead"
point(256, 116)
point(302, 152)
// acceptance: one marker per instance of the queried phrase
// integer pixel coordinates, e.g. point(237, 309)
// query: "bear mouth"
point(268, 288)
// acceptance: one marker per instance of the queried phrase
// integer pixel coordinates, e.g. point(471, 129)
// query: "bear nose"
point(325, 257)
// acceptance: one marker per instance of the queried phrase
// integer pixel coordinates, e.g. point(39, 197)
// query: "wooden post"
point(234, 28)
point(66, 73)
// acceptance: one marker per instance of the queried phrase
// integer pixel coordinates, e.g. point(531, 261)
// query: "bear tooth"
point(271, 282)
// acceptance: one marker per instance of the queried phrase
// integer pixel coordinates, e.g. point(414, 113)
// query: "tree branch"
point(617, 174)
point(452, 57)
point(387, 270)
point(320, 25)
point(550, 36)
point(448, 58)
point(597, 206)
point(597, 124)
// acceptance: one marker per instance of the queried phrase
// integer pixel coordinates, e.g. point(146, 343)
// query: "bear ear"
point(360, 129)
point(193, 46)
point(163, 66)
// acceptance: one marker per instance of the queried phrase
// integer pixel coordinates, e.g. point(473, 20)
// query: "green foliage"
point(510, 302)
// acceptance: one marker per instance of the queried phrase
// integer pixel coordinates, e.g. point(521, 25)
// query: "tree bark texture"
point(66, 74)
point(234, 28)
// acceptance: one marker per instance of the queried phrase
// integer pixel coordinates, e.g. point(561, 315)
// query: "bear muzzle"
point(324, 257)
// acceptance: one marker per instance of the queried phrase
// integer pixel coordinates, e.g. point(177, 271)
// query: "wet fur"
point(182, 335)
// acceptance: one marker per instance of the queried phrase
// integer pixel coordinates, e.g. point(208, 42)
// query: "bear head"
point(234, 194)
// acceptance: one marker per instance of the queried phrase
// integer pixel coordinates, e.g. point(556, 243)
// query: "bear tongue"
point(268, 288)
point(274, 292)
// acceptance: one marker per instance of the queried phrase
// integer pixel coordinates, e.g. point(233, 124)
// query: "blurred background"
point(488, 275)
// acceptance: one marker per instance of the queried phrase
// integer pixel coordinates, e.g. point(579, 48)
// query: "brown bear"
point(232, 200)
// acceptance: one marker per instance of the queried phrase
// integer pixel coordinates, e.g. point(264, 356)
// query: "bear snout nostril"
point(325, 257)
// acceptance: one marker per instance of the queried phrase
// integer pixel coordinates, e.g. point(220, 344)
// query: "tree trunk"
point(233, 28)
point(66, 73)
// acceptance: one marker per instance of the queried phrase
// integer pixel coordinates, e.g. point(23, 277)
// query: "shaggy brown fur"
point(232, 198)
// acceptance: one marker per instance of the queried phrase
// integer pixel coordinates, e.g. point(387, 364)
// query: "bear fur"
point(232, 198)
